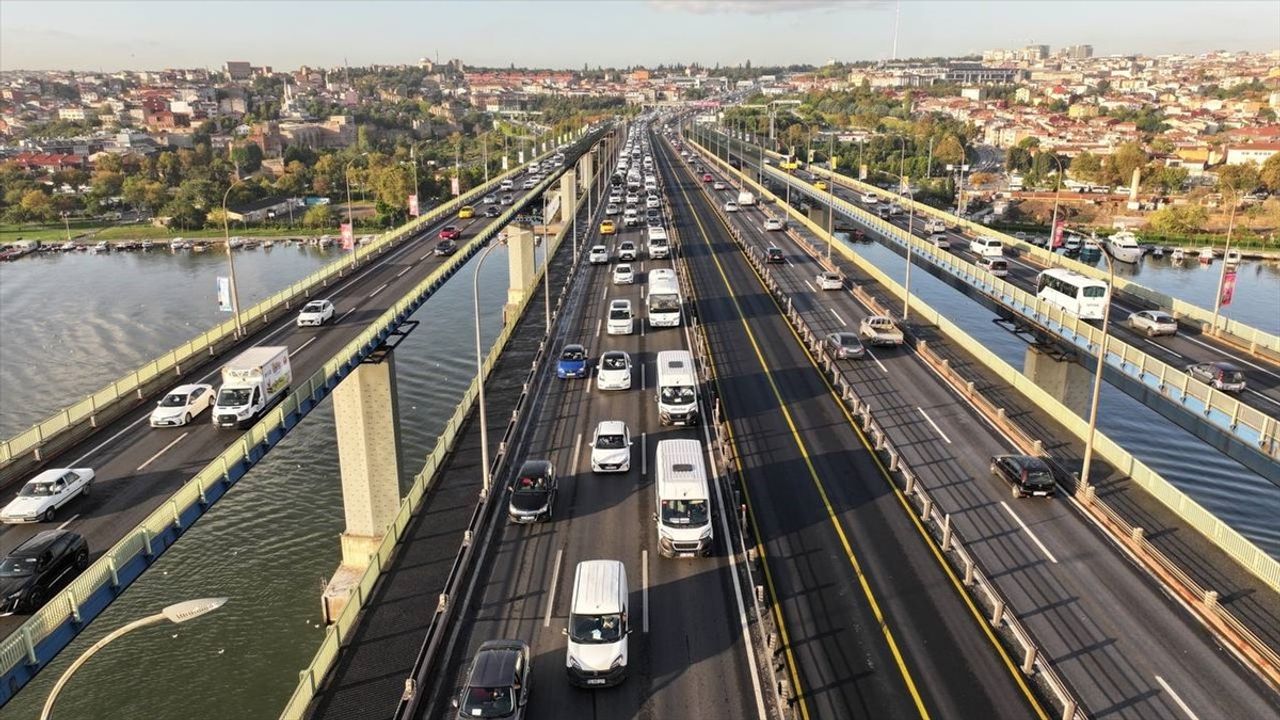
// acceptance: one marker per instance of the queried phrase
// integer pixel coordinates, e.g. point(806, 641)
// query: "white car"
point(717, 185)
point(530, 184)
point(611, 209)
point(598, 255)
point(315, 313)
point(182, 405)
point(42, 496)
point(621, 321)
point(1154, 322)
point(830, 281)
point(632, 198)
point(895, 209)
point(870, 198)
point(653, 201)
point(623, 274)
point(611, 447)
point(940, 241)
point(935, 225)
point(731, 206)
point(614, 371)
point(627, 250)
point(615, 199)
point(772, 223)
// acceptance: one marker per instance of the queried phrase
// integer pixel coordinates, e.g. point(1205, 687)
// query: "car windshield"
point(1039, 477)
point(12, 567)
point(610, 442)
point(573, 354)
point(677, 395)
point(174, 400)
point(619, 314)
point(595, 629)
point(664, 301)
point(314, 307)
point(37, 489)
point(684, 512)
point(488, 702)
point(233, 397)
point(530, 484)
point(848, 340)
point(614, 362)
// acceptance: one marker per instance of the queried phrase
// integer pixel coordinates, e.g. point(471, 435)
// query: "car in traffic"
point(492, 211)
point(497, 684)
point(653, 202)
point(772, 223)
point(1221, 375)
point(773, 255)
point(533, 492)
point(940, 241)
point(1026, 475)
point(505, 200)
point(731, 206)
point(182, 404)
point(627, 250)
point(717, 185)
point(845, 345)
point(621, 321)
point(450, 232)
point(43, 495)
point(611, 447)
point(315, 313)
point(573, 362)
point(820, 184)
point(614, 371)
point(607, 227)
point(466, 211)
point(1154, 322)
point(870, 198)
point(611, 209)
point(623, 274)
point(830, 280)
point(706, 177)
point(38, 568)
point(598, 255)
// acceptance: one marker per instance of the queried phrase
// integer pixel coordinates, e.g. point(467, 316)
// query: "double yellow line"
point(834, 519)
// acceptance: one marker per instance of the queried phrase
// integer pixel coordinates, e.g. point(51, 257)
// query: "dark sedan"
point(533, 492)
point(38, 568)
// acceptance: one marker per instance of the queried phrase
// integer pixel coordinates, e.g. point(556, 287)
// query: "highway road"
point(137, 467)
point(689, 652)
point(1128, 650)
point(874, 625)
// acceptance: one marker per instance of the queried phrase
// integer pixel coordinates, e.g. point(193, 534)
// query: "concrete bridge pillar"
point(586, 163)
point(818, 214)
point(1061, 377)
point(366, 416)
point(567, 188)
point(520, 265)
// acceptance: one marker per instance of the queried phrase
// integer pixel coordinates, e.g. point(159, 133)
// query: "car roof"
point(615, 353)
point(619, 303)
point(1027, 462)
point(611, 427)
point(494, 666)
point(51, 474)
point(38, 543)
point(186, 389)
point(575, 346)
point(535, 467)
point(1224, 365)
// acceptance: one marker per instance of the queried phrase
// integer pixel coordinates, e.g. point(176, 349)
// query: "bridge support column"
point(366, 415)
point(818, 214)
point(1060, 377)
point(520, 265)
point(568, 192)
point(587, 164)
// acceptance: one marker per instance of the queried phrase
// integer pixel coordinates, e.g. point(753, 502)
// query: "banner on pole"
point(506, 163)
point(348, 236)
point(413, 205)
point(810, 156)
point(520, 157)
point(224, 294)
point(455, 186)
point(1228, 287)
point(862, 171)
point(1057, 234)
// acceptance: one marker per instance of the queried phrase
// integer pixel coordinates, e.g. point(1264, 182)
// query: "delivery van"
point(253, 382)
point(596, 654)
point(682, 499)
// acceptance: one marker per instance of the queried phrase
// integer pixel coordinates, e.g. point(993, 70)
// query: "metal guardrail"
point(64, 615)
point(1203, 601)
point(104, 405)
point(1249, 425)
point(1034, 662)
point(1236, 332)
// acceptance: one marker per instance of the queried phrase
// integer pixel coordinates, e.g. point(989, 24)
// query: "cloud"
point(755, 7)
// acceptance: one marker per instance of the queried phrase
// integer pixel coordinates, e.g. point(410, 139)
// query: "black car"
point(1026, 474)
point(774, 255)
point(533, 492)
point(39, 567)
point(446, 247)
point(492, 211)
point(497, 683)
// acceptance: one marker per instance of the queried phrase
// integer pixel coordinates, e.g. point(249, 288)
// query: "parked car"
point(497, 684)
point(845, 345)
point(598, 255)
point(43, 495)
point(830, 280)
point(623, 274)
point(611, 447)
point(1221, 375)
point(182, 404)
point(573, 362)
point(773, 254)
point(445, 248)
point(772, 223)
point(450, 232)
point(1026, 474)
point(316, 312)
point(533, 492)
point(1154, 322)
point(38, 568)
point(614, 371)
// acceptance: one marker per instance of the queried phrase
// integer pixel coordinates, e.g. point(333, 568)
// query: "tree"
point(1167, 179)
point(949, 151)
point(1241, 178)
point(183, 214)
point(1127, 157)
point(247, 157)
point(106, 183)
point(36, 205)
point(1086, 166)
point(1179, 219)
point(320, 216)
point(1270, 173)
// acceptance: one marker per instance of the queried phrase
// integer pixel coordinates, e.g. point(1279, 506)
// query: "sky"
point(156, 34)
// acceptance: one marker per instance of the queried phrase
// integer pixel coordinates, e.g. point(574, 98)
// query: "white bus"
point(1081, 296)
point(677, 390)
point(663, 299)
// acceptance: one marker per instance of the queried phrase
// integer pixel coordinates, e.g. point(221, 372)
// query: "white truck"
point(746, 199)
point(880, 330)
point(252, 382)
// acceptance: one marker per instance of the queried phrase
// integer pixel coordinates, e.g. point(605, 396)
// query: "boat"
point(268, 244)
point(325, 241)
point(1178, 257)
point(179, 244)
point(1232, 258)
point(67, 246)
point(102, 246)
point(1157, 251)
point(199, 247)
point(1123, 246)
point(1091, 250)
point(146, 245)
point(1206, 255)
point(236, 242)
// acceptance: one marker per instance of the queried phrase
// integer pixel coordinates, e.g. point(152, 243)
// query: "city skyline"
point(727, 32)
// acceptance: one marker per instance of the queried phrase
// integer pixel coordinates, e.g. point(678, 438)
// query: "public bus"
point(663, 300)
point(1079, 295)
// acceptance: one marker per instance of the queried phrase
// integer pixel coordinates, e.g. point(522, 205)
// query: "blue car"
point(573, 362)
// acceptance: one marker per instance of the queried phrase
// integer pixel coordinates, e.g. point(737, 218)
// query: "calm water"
point(273, 541)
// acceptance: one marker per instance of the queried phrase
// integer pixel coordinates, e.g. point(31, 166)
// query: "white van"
point(621, 320)
point(596, 655)
point(988, 246)
point(682, 500)
point(659, 244)
point(677, 388)
point(507, 185)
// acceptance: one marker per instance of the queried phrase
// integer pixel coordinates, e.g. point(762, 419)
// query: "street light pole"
point(66, 224)
point(1222, 273)
point(546, 265)
point(911, 214)
point(176, 613)
point(831, 193)
point(1097, 376)
point(231, 263)
point(486, 481)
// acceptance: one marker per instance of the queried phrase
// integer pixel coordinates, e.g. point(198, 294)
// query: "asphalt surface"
point(1128, 650)
point(688, 654)
point(138, 467)
point(874, 624)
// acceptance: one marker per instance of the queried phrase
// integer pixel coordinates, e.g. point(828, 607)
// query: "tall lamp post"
point(176, 613)
point(1097, 376)
point(487, 481)
point(1057, 193)
point(911, 214)
point(960, 168)
point(346, 175)
point(1222, 273)
point(231, 263)
point(831, 191)
point(66, 223)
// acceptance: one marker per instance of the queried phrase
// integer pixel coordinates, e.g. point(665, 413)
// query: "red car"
point(450, 232)
point(706, 177)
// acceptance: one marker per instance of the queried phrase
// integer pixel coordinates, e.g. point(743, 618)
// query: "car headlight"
point(706, 534)
point(617, 662)
point(573, 663)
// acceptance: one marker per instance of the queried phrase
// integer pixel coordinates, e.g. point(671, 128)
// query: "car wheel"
point(1016, 492)
point(1151, 332)
point(86, 489)
point(82, 560)
point(48, 515)
point(186, 419)
point(35, 600)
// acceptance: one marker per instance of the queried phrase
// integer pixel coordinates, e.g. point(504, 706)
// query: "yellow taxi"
point(607, 228)
point(466, 211)
point(820, 184)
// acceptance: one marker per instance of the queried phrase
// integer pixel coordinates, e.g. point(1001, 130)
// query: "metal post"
point(831, 193)
point(484, 425)
point(546, 266)
point(1097, 377)
point(1222, 273)
point(231, 263)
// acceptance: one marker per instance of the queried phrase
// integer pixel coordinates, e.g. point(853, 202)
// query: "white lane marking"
point(811, 287)
point(344, 315)
point(873, 357)
point(598, 322)
point(644, 587)
point(1176, 354)
point(78, 462)
point(934, 424)
point(590, 380)
point(424, 257)
point(842, 322)
point(551, 596)
point(1176, 699)
point(644, 454)
point(604, 293)
point(381, 287)
point(68, 521)
point(298, 349)
point(163, 450)
point(1032, 535)
point(406, 269)
point(577, 451)
point(1264, 397)
point(642, 376)
point(1237, 358)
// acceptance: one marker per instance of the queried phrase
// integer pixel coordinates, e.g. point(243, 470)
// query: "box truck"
point(252, 382)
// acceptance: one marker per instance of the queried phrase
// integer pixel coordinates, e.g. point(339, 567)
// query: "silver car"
point(1154, 322)
point(845, 345)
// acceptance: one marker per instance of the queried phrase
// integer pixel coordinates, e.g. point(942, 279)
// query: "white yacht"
point(1123, 246)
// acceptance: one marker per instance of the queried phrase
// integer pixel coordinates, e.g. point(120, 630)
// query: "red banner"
point(348, 236)
point(1057, 234)
point(413, 206)
point(1228, 287)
